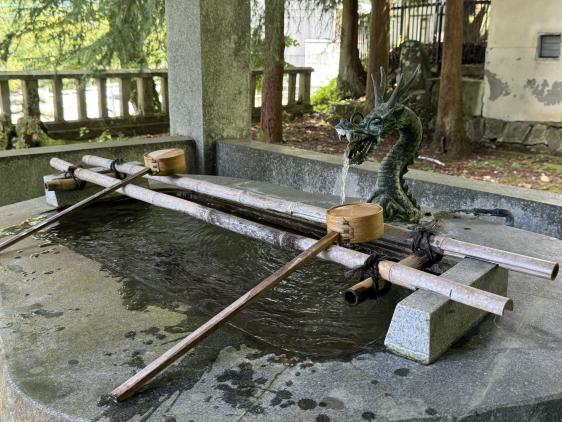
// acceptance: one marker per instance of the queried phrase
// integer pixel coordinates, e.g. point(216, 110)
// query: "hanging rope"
point(113, 168)
point(70, 173)
point(421, 243)
point(370, 268)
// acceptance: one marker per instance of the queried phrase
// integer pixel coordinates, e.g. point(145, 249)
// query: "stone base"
point(425, 324)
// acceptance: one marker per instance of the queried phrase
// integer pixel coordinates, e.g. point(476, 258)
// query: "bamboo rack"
point(349, 258)
point(440, 244)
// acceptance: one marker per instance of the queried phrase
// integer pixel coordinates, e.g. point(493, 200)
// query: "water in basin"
point(169, 259)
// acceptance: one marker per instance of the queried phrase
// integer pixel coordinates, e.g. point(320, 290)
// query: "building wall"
point(519, 86)
point(304, 22)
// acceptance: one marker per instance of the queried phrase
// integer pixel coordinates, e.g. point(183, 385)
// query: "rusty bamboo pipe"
point(61, 184)
point(133, 384)
point(439, 244)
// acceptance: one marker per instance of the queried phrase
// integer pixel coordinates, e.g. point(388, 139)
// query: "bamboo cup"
point(356, 223)
point(165, 162)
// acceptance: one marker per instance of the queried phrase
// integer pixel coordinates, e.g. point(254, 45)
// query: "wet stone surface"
point(69, 337)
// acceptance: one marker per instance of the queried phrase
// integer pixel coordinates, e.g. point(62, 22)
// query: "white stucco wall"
point(518, 85)
point(323, 56)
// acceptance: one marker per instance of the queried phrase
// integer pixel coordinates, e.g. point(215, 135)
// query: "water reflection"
point(171, 260)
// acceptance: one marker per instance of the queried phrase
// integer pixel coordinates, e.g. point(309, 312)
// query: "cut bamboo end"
point(166, 162)
point(61, 184)
point(356, 223)
point(361, 291)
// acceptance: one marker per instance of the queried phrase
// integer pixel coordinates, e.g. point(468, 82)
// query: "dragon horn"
point(394, 97)
point(378, 98)
point(383, 82)
point(410, 79)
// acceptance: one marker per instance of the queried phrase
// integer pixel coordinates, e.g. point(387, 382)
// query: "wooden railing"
point(139, 106)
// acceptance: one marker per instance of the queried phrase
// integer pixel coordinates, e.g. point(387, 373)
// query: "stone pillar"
point(209, 73)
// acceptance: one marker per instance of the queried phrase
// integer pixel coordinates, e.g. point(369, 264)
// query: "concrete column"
point(209, 73)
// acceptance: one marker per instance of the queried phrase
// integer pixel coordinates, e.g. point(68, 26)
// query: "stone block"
point(425, 324)
point(208, 73)
point(515, 133)
point(553, 137)
point(472, 95)
point(494, 128)
point(474, 127)
point(537, 135)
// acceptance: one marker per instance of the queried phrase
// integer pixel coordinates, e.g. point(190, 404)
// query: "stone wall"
point(22, 170)
point(311, 171)
point(533, 136)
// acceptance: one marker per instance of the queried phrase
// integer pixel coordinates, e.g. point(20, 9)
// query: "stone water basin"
point(83, 310)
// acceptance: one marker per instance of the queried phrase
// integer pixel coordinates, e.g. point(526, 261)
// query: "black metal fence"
point(423, 21)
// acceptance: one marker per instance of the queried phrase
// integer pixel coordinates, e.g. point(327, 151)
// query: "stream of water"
point(344, 171)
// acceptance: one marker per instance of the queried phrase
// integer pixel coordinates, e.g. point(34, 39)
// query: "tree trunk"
point(379, 44)
point(449, 136)
point(351, 74)
point(272, 87)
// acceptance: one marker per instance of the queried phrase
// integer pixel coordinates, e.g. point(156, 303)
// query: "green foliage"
point(257, 47)
point(327, 102)
point(325, 97)
point(84, 131)
point(104, 136)
point(88, 34)
point(30, 133)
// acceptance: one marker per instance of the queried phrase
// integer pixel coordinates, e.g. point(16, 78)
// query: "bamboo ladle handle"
point(133, 384)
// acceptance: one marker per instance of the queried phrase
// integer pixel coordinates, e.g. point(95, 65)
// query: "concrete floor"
point(68, 339)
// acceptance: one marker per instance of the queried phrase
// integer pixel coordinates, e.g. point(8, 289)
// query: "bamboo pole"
point(133, 384)
point(439, 244)
point(285, 240)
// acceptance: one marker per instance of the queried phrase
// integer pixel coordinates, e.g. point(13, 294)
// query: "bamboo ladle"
point(350, 223)
point(161, 162)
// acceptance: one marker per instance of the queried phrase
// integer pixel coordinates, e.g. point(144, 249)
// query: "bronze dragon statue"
point(364, 133)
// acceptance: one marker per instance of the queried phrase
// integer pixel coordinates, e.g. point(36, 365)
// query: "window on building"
point(549, 46)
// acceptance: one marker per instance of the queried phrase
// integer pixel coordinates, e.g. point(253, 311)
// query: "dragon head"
point(363, 133)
